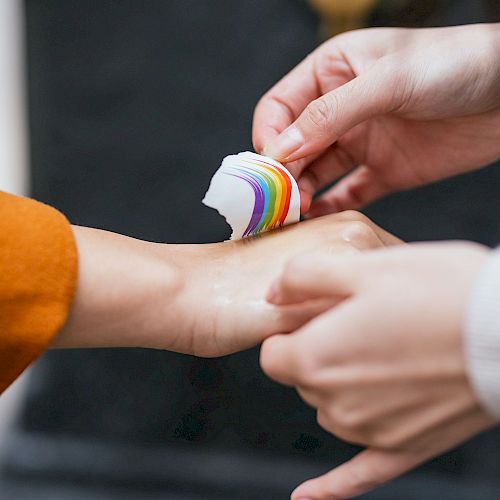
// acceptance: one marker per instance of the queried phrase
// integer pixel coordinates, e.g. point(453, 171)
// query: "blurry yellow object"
point(342, 15)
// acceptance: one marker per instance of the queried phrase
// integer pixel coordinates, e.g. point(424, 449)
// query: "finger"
point(307, 278)
point(296, 168)
point(328, 117)
point(295, 358)
point(367, 470)
point(331, 165)
point(281, 105)
point(322, 71)
point(306, 200)
point(279, 359)
point(358, 189)
point(312, 397)
point(285, 319)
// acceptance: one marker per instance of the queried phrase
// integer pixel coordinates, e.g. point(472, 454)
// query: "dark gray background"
point(133, 105)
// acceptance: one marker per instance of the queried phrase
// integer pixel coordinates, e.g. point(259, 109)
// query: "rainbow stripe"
point(272, 188)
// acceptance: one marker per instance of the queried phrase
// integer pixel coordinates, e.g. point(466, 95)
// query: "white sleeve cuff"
point(482, 336)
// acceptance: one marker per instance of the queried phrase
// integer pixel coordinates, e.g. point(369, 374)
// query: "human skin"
point(391, 108)
point(385, 366)
point(207, 300)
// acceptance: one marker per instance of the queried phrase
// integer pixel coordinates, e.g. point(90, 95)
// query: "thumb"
point(367, 470)
point(312, 277)
point(327, 118)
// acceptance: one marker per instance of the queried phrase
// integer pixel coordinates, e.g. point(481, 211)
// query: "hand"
point(392, 108)
point(385, 367)
point(206, 300)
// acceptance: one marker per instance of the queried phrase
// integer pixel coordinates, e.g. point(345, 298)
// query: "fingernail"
point(281, 147)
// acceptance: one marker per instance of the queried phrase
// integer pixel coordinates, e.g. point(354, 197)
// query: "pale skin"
point(392, 108)
point(385, 367)
point(388, 109)
point(206, 300)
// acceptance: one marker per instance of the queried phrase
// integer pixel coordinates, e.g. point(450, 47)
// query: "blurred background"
point(118, 113)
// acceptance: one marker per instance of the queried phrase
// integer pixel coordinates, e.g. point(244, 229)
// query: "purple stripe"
point(259, 203)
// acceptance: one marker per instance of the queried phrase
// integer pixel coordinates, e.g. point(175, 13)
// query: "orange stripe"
point(288, 183)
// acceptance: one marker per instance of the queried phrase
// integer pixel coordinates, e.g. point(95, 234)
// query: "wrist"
point(126, 293)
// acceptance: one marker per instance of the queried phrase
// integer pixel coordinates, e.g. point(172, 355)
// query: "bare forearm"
point(206, 300)
point(125, 290)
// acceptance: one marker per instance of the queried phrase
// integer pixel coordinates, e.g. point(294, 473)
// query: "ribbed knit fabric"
point(482, 336)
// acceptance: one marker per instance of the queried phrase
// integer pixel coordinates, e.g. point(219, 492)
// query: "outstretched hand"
point(391, 108)
point(207, 300)
point(384, 367)
point(223, 299)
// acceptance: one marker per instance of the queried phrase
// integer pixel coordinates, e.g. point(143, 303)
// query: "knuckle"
point(343, 419)
point(349, 420)
point(327, 64)
point(353, 216)
point(387, 440)
point(308, 374)
point(321, 112)
point(360, 229)
point(359, 234)
point(306, 369)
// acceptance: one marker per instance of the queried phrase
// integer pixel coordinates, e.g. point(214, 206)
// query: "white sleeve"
point(482, 336)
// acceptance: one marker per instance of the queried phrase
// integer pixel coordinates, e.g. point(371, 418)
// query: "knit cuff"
point(38, 274)
point(482, 336)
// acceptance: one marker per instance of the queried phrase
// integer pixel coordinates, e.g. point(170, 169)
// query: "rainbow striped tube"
point(254, 193)
point(272, 189)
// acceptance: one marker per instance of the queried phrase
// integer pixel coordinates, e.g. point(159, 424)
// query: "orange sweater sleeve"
point(38, 273)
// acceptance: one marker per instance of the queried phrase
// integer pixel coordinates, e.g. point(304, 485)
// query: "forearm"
point(206, 300)
point(126, 292)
